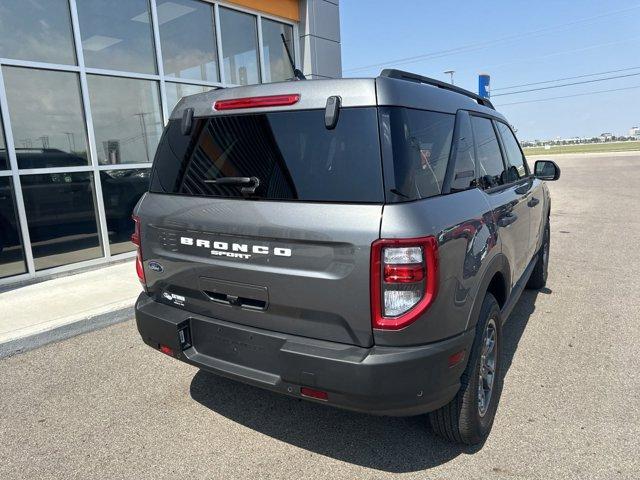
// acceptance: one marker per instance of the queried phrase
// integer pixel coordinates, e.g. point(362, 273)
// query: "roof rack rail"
point(413, 77)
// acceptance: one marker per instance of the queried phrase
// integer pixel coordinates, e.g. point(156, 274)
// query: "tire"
point(538, 278)
point(465, 419)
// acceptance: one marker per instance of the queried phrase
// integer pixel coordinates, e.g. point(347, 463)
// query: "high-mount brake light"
point(257, 102)
point(404, 280)
point(136, 240)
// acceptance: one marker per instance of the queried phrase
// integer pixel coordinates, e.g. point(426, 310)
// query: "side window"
point(421, 143)
point(490, 164)
point(517, 162)
point(464, 174)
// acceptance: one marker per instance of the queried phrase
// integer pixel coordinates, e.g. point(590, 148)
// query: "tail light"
point(404, 280)
point(135, 239)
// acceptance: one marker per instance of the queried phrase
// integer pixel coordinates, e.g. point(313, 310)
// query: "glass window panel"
point(239, 47)
point(188, 39)
point(61, 217)
point(4, 160)
point(517, 163)
point(11, 250)
point(126, 118)
point(276, 60)
point(175, 91)
point(46, 117)
point(121, 190)
point(421, 143)
point(492, 171)
point(464, 175)
point(117, 35)
point(36, 30)
point(292, 153)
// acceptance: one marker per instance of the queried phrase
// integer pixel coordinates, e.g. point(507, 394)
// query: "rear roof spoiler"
point(412, 77)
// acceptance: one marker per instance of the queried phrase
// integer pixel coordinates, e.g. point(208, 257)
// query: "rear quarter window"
point(420, 144)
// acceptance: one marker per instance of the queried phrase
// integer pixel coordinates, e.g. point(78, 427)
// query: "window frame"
point(257, 19)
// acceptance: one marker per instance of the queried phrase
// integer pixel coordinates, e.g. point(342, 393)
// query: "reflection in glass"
point(116, 35)
point(11, 251)
point(61, 217)
point(121, 190)
point(4, 160)
point(46, 117)
point(277, 64)
point(239, 47)
point(126, 118)
point(188, 39)
point(517, 162)
point(36, 30)
point(175, 91)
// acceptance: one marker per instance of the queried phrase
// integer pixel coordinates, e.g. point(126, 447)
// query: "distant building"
point(634, 132)
point(605, 137)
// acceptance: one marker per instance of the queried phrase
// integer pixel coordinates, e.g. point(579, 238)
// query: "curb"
point(63, 332)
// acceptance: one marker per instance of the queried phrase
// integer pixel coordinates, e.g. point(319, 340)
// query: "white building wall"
point(320, 38)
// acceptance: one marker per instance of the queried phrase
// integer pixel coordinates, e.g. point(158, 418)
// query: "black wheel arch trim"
point(498, 264)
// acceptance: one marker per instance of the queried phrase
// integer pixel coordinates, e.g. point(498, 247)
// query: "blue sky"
point(516, 42)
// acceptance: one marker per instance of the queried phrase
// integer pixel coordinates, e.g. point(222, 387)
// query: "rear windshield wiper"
point(251, 182)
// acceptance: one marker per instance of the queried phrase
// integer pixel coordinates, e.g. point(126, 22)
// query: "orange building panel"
point(282, 8)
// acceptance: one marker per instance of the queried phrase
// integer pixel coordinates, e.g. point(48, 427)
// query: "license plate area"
point(236, 345)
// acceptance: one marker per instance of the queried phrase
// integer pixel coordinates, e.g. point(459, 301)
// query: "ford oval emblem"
point(156, 267)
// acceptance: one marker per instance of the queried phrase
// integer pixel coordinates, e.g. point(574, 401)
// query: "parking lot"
point(104, 405)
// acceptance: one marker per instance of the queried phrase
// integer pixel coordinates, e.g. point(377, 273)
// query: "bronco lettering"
point(234, 250)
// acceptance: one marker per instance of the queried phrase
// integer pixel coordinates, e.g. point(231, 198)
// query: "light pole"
point(450, 72)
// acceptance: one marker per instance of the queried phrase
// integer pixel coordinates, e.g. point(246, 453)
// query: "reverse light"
point(136, 240)
point(257, 102)
point(404, 276)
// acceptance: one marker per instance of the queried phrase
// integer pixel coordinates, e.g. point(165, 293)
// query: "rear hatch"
point(288, 252)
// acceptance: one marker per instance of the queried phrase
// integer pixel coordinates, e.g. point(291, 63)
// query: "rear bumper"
point(398, 381)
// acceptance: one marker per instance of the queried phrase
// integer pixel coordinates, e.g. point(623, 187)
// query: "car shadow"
point(389, 444)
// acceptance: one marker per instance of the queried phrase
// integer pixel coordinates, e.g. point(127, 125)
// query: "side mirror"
point(547, 170)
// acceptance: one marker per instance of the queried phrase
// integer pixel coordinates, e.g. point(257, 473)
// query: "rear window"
point(420, 142)
point(291, 153)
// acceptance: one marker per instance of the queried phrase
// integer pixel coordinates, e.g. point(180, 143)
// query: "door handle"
point(507, 220)
point(533, 202)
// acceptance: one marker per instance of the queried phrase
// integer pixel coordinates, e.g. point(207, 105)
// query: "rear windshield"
point(292, 154)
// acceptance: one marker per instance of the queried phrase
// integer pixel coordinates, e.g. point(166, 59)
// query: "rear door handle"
point(533, 202)
point(507, 220)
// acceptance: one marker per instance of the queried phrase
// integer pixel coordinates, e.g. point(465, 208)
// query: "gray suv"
point(353, 242)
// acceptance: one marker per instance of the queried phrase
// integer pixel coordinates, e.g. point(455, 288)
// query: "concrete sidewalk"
point(37, 314)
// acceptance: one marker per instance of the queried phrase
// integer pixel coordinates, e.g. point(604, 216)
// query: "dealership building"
point(86, 87)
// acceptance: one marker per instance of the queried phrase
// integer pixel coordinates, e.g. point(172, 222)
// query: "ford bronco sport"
point(353, 242)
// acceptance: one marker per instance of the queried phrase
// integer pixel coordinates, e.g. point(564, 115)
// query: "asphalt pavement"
point(104, 405)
